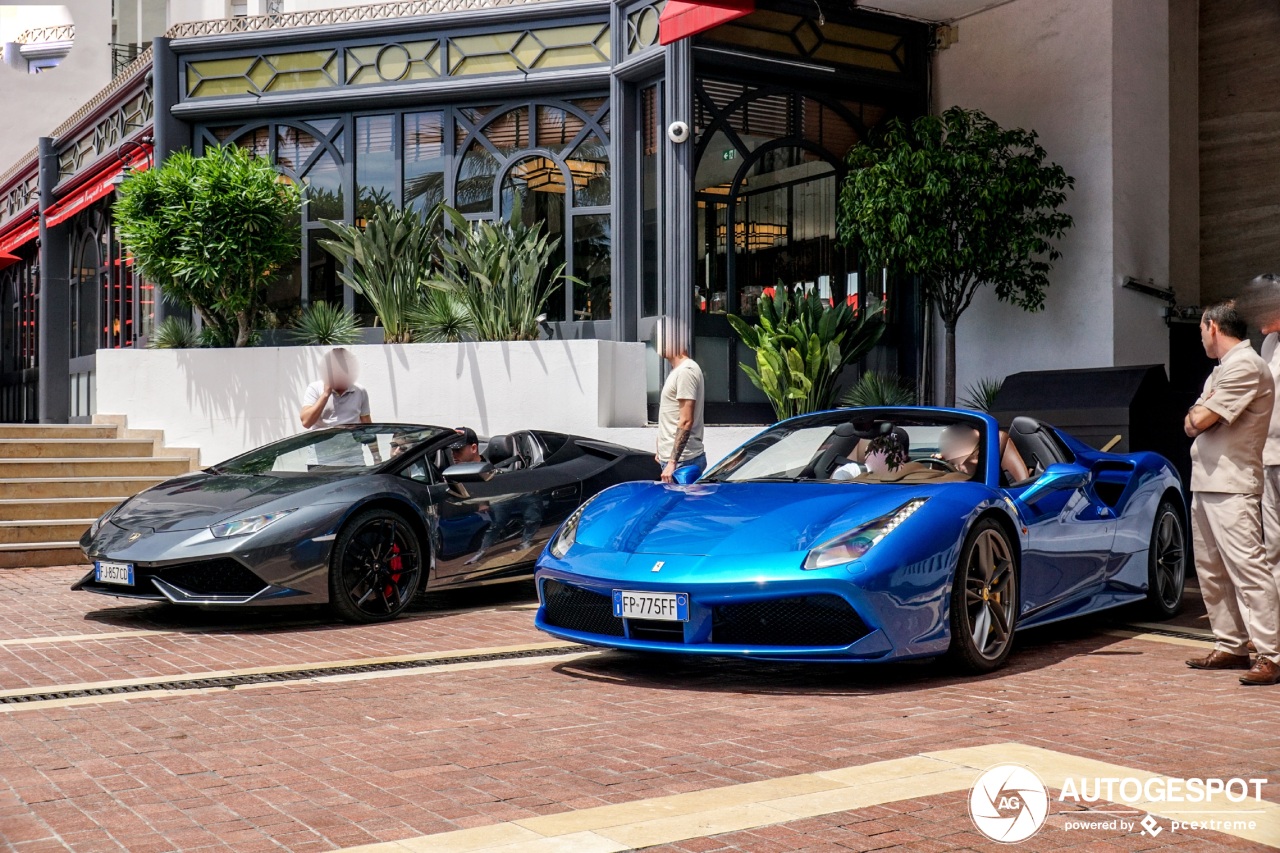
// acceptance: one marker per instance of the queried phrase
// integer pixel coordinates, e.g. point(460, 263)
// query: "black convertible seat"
point(577, 609)
point(810, 620)
point(502, 453)
point(1039, 446)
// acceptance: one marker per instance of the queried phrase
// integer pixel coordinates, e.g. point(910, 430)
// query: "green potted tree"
point(211, 232)
point(961, 202)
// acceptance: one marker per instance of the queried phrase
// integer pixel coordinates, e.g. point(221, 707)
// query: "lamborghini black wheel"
point(376, 567)
point(984, 599)
point(1166, 562)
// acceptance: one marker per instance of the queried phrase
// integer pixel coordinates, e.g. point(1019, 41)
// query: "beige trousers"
point(1231, 563)
point(1271, 518)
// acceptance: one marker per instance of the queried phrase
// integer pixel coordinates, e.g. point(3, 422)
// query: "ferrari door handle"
point(564, 492)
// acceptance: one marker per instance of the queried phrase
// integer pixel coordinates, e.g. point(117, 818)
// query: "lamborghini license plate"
point(117, 573)
point(659, 606)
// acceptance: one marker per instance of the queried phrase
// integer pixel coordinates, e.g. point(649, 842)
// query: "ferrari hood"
point(189, 503)
point(725, 519)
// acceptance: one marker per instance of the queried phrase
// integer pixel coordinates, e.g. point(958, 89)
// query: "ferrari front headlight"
point(568, 533)
point(245, 526)
point(850, 546)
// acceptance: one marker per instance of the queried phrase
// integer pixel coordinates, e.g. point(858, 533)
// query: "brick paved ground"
point(310, 766)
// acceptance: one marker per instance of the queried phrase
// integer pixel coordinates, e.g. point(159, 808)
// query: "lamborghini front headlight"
point(246, 526)
point(850, 546)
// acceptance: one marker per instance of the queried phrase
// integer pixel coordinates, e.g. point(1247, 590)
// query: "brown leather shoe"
point(1264, 671)
point(1219, 660)
point(1251, 648)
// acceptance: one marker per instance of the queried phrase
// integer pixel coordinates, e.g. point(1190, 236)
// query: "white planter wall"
point(227, 401)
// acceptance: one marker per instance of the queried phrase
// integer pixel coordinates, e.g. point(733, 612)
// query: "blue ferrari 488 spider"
point(870, 535)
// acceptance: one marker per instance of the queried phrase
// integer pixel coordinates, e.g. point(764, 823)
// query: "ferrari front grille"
point(213, 577)
point(810, 620)
point(577, 609)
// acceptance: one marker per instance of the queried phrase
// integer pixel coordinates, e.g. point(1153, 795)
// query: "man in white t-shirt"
point(335, 400)
point(680, 413)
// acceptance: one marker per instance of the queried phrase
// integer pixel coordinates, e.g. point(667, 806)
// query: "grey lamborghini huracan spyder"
point(361, 518)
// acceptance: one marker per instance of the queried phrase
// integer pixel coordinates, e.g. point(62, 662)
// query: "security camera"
point(677, 131)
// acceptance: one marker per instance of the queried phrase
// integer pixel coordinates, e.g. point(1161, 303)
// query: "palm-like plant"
point(500, 272)
point(441, 318)
point(879, 389)
point(981, 395)
point(174, 333)
point(801, 345)
point(388, 261)
point(322, 324)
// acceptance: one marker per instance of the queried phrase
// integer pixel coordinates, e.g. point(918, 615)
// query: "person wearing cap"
point(335, 400)
point(466, 447)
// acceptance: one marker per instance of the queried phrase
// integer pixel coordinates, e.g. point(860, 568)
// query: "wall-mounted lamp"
point(1149, 288)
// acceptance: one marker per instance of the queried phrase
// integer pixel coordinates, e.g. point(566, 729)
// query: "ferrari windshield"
point(338, 449)
point(861, 446)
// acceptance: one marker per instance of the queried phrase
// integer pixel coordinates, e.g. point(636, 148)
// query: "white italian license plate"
point(659, 606)
point(118, 573)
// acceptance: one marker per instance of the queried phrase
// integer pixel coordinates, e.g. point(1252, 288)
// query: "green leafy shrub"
point(174, 333)
point(212, 232)
point(981, 395)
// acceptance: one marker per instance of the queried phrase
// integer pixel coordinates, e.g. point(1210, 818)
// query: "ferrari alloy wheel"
point(984, 599)
point(375, 568)
point(1166, 562)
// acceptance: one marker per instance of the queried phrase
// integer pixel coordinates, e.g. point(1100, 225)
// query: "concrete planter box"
point(227, 401)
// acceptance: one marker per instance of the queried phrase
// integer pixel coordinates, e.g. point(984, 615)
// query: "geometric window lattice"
point(257, 75)
point(642, 27)
point(802, 36)
point(19, 197)
point(388, 63)
point(125, 120)
point(535, 49)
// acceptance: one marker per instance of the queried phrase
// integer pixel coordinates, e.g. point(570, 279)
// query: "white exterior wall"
point(227, 401)
point(1091, 78)
point(44, 101)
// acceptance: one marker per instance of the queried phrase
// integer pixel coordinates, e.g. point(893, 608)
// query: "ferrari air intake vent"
point(576, 609)
point(811, 620)
point(215, 577)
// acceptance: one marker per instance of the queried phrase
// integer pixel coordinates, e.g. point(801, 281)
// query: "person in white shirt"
point(680, 415)
point(1263, 306)
point(335, 400)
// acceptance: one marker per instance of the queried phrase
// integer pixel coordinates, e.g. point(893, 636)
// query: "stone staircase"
point(55, 480)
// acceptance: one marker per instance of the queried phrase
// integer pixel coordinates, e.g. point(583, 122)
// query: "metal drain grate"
point(289, 675)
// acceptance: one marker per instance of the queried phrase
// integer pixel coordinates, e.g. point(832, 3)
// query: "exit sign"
point(730, 154)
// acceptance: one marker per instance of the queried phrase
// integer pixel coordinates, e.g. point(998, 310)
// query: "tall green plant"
point(961, 202)
point(501, 273)
point(802, 345)
point(211, 232)
point(389, 261)
point(981, 395)
point(442, 318)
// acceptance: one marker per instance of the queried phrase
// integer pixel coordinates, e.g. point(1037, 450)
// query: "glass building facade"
point(558, 111)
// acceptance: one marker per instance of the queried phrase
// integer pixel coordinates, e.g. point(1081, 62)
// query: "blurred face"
point(340, 372)
point(958, 447)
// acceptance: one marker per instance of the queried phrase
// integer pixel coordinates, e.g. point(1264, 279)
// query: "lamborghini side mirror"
point(468, 472)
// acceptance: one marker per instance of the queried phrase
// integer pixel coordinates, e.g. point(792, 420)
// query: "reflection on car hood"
point(189, 503)
point(726, 519)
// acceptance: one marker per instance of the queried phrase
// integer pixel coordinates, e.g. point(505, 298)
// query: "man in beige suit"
point(1263, 297)
point(1229, 423)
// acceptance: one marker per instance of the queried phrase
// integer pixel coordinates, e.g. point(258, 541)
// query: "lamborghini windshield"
point(860, 446)
point(338, 449)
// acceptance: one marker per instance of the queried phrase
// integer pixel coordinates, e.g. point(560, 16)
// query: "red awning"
point(682, 18)
point(8, 260)
point(19, 236)
point(98, 187)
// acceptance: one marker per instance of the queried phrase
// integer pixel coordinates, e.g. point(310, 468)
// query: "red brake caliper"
point(397, 565)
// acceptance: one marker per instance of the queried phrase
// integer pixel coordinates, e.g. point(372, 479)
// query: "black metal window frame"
point(19, 331)
point(340, 142)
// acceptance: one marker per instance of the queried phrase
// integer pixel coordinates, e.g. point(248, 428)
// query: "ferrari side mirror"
point(469, 472)
point(1056, 478)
